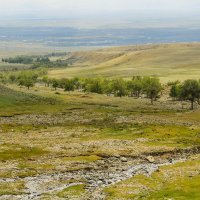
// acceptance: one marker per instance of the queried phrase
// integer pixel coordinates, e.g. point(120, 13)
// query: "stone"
point(150, 159)
point(123, 159)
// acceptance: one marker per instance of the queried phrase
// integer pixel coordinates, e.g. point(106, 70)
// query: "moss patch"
point(73, 191)
point(87, 159)
point(16, 152)
point(12, 188)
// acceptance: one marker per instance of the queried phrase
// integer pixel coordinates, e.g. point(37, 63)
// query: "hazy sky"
point(64, 7)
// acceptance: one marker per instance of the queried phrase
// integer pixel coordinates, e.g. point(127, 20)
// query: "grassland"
point(75, 145)
point(167, 61)
point(60, 145)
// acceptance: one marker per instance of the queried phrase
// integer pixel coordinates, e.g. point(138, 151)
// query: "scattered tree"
point(175, 91)
point(69, 85)
point(152, 87)
point(190, 90)
point(27, 79)
point(119, 87)
point(55, 83)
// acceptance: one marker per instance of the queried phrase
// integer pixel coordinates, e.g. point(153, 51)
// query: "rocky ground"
point(103, 173)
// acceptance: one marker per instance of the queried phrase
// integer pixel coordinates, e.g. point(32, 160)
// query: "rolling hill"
point(167, 61)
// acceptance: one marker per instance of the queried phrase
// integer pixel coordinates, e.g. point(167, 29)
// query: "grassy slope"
point(168, 61)
point(97, 125)
point(18, 102)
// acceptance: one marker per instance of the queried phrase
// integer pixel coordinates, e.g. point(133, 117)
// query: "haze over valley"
point(68, 24)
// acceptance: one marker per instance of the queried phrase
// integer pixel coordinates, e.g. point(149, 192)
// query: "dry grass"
point(169, 62)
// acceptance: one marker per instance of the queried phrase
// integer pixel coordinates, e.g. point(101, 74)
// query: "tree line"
point(31, 59)
point(26, 78)
point(38, 61)
point(138, 87)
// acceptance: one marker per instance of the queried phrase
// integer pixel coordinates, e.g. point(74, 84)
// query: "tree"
point(175, 91)
point(95, 86)
point(62, 82)
point(77, 83)
point(107, 87)
point(46, 81)
point(190, 90)
point(69, 85)
point(135, 87)
point(19, 59)
point(27, 79)
point(152, 87)
point(43, 60)
point(55, 83)
point(28, 83)
point(119, 87)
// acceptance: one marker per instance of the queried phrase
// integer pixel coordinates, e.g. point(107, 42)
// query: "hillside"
point(168, 61)
point(78, 146)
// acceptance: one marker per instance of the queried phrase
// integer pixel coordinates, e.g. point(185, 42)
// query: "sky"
point(55, 8)
point(101, 13)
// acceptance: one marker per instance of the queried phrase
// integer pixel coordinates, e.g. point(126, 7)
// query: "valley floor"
point(58, 145)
